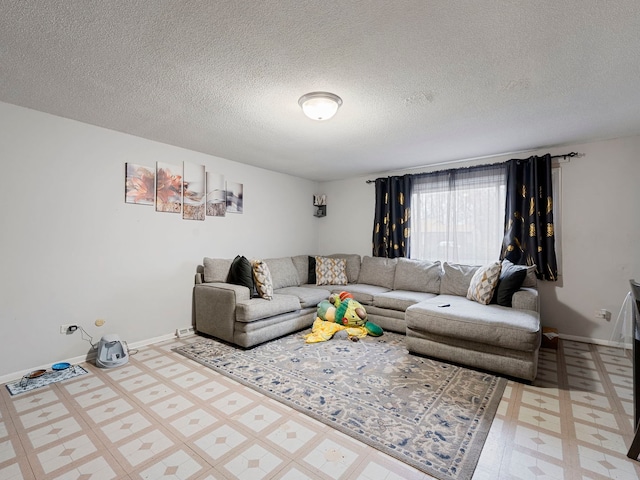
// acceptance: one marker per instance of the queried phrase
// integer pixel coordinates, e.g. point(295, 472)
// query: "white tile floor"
point(163, 416)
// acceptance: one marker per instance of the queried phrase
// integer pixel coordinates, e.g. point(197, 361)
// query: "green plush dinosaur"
point(341, 312)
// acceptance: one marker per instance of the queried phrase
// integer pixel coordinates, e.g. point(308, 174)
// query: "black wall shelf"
point(320, 202)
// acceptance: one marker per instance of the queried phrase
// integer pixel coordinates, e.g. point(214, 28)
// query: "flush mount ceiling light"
point(320, 105)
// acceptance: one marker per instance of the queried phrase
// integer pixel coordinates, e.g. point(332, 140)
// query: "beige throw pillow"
point(331, 271)
point(262, 277)
point(484, 282)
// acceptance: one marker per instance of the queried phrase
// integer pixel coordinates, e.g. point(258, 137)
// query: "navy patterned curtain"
point(392, 220)
point(529, 234)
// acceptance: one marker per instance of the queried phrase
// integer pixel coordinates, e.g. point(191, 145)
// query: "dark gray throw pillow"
point(241, 273)
point(510, 281)
point(312, 271)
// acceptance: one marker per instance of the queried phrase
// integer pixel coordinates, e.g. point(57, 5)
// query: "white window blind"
point(458, 215)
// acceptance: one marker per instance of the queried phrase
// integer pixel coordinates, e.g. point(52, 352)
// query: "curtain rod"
point(564, 156)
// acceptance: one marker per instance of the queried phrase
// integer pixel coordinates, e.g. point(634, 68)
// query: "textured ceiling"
point(422, 81)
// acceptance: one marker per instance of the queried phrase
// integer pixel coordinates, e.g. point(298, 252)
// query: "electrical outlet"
point(68, 329)
point(604, 314)
point(100, 322)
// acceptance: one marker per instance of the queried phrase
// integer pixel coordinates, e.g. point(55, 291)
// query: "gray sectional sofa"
point(422, 299)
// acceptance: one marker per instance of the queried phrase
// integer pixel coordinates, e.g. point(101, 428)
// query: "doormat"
point(27, 384)
point(428, 414)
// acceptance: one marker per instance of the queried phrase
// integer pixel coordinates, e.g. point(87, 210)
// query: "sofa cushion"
point(262, 278)
point(216, 269)
point(302, 267)
point(418, 275)
point(400, 299)
point(483, 283)
point(258, 308)
point(510, 281)
point(466, 320)
point(283, 272)
point(308, 297)
point(378, 271)
point(457, 278)
point(331, 271)
point(362, 292)
point(353, 264)
point(530, 281)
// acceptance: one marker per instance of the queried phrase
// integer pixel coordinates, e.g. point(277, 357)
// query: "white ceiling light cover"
point(320, 105)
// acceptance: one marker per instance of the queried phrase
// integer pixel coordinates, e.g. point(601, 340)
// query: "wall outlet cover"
point(185, 331)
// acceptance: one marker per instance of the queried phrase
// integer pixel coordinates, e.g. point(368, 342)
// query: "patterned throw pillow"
point(262, 278)
point(331, 271)
point(484, 282)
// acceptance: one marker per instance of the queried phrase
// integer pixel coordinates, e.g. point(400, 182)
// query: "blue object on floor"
point(60, 366)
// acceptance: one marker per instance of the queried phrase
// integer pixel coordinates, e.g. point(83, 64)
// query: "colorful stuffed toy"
point(341, 312)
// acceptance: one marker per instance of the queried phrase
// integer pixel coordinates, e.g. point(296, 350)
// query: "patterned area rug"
point(428, 414)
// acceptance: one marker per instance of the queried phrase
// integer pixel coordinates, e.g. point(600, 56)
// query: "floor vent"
point(183, 332)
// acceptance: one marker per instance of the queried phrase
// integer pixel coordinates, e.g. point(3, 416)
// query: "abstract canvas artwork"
point(139, 184)
point(234, 197)
point(216, 195)
point(168, 188)
point(193, 192)
point(188, 189)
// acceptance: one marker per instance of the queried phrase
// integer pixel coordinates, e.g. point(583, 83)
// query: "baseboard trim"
point(89, 357)
point(151, 341)
point(595, 341)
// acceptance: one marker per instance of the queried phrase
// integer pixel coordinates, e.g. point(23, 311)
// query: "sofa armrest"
point(199, 274)
point(526, 299)
point(240, 291)
point(215, 308)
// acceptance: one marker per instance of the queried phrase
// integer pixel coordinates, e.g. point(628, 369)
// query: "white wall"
point(600, 238)
point(347, 228)
point(71, 250)
point(600, 231)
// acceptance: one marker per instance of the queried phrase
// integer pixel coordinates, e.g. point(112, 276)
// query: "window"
point(458, 215)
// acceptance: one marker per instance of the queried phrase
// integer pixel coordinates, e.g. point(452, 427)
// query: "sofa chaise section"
point(489, 337)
